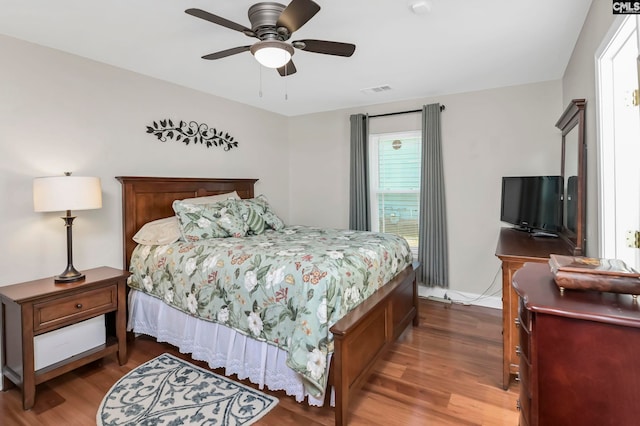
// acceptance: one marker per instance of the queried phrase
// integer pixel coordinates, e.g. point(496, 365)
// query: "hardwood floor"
point(447, 371)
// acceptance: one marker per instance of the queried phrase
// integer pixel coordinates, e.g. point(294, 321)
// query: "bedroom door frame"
point(618, 137)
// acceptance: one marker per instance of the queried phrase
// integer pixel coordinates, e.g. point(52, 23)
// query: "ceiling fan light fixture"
point(272, 53)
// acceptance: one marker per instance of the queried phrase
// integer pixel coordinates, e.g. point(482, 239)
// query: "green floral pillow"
point(251, 213)
point(214, 220)
point(269, 216)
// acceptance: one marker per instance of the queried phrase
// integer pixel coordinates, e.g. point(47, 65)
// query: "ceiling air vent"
point(378, 89)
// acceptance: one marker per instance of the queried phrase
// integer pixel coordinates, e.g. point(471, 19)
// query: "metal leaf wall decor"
point(188, 132)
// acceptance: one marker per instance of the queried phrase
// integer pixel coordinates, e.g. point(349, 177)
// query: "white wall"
point(579, 82)
point(486, 135)
point(60, 112)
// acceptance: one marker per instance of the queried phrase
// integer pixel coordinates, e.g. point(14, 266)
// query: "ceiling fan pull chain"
point(286, 91)
point(260, 92)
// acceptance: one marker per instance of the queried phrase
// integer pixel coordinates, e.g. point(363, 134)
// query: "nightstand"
point(37, 307)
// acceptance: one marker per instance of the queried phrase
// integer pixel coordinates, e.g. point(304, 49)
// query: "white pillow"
point(212, 198)
point(159, 232)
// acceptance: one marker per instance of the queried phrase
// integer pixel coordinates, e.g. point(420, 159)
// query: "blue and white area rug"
point(170, 391)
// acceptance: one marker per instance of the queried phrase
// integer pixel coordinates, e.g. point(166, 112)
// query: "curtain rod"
point(442, 108)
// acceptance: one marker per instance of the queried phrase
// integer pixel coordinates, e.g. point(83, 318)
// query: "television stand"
point(514, 250)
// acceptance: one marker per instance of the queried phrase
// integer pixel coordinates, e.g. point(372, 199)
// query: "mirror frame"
point(572, 118)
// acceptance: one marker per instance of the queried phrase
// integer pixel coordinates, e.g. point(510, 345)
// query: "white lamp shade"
point(60, 193)
point(272, 53)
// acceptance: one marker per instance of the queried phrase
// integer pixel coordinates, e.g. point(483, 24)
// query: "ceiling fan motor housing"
point(264, 19)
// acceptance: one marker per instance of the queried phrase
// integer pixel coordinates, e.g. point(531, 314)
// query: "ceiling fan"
point(273, 24)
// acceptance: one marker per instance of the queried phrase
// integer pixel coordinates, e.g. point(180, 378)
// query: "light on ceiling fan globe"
point(272, 57)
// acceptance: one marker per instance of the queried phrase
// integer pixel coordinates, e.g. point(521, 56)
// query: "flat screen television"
point(532, 203)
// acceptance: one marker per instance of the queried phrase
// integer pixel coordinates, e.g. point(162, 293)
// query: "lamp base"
point(59, 279)
point(70, 275)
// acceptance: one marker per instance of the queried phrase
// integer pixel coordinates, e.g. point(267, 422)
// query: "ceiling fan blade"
point(202, 14)
point(287, 69)
point(228, 52)
point(297, 14)
point(326, 47)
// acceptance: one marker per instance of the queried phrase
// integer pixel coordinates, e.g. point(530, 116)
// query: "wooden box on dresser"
point(578, 354)
point(514, 249)
point(36, 307)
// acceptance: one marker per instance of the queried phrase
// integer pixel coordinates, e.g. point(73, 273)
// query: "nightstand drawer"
point(74, 308)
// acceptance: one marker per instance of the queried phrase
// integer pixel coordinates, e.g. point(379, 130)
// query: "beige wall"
point(60, 112)
point(579, 82)
point(486, 135)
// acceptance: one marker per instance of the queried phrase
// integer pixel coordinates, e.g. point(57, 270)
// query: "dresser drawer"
point(524, 374)
point(73, 308)
point(524, 405)
point(524, 316)
point(524, 344)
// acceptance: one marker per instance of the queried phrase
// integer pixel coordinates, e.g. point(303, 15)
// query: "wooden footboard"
point(367, 332)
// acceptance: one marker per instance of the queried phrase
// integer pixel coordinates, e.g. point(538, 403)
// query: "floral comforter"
point(284, 287)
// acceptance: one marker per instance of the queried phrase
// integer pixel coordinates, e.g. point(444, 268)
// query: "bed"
point(360, 337)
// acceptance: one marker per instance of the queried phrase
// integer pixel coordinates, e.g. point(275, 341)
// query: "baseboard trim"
point(460, 297)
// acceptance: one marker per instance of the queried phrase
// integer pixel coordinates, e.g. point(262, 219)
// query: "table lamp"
point(66, 193)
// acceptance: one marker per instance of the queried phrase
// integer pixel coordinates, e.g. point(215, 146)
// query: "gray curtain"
point(359, 216)
point(433, 248)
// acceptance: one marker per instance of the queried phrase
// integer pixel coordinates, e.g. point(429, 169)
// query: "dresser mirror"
point(573, 168)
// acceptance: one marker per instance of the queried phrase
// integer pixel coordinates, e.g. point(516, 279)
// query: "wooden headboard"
point(148, 198)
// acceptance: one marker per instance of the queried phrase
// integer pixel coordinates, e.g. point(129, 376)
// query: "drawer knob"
point(518, 376)
point(517, 321)
point(79, 306)
point(518, 406)
point(518, 350)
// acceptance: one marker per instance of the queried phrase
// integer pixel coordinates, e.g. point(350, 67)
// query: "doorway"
point(619, 142)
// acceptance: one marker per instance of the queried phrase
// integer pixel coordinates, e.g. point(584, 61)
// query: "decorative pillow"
point(159, 232)
point(212, 198)
point(231, 220)
point(269, 216)
point(215, 220)
point(252, 212)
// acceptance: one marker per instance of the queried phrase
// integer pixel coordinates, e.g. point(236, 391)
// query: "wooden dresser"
point(514, 249)
point(578, 354)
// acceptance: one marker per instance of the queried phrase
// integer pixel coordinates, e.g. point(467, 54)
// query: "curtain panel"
point(359, 214)
point(433, 247)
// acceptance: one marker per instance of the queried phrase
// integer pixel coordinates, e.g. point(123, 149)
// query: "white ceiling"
point(460, 46)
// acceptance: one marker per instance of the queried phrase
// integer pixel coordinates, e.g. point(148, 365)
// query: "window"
point(394, 165)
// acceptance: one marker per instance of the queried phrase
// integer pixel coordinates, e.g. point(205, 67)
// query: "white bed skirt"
point(218, 345)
